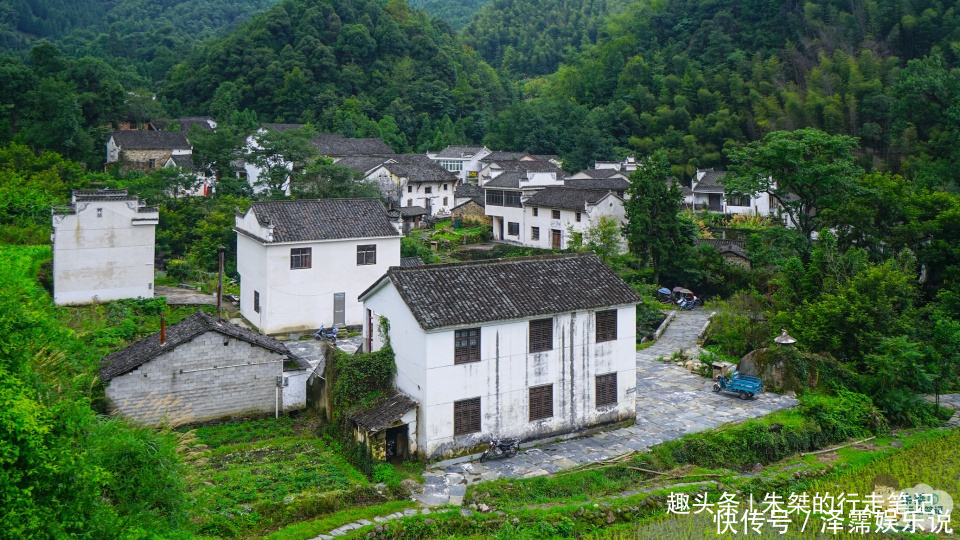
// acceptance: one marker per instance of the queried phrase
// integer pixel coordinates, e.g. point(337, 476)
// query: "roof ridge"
point(492, 262)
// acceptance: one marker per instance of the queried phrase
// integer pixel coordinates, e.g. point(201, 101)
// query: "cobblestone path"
point(671, 402)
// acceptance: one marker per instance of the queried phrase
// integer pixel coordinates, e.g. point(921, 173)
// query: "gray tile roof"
point(421, 172)
point(459, 152)
point(411, 211)
point(443, 295)
point(505, 156)
point(150, 140)
point(407, 262)
point(186, 123)
point(475, 193)
point(566, 198)
point(335, 144)
point(529, 166)
point(324, 219)
point(135, 355)
point(184, 161)
point(280, 127)
point(602, 173)
point(710, 183)
point(609, 184)
point(79, 195)
point(364, 164)
point(508, 180)
point(383, 413)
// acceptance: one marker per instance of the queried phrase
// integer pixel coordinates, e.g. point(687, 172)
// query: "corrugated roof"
point(323, 219)
point(566, 198)
point(130, 358)
point(455, 294)
point(150, 140)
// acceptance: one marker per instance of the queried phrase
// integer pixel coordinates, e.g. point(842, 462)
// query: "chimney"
point(163, 331)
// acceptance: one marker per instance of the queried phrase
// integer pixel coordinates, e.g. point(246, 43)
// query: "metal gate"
point(339, 303)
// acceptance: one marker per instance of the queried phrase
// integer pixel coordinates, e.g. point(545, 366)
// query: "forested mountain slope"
point(532, 37)
point(695, 76)
point(151, 34)
point(456, 12)
point(343, 65)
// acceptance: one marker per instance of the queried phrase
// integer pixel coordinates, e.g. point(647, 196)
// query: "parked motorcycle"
point(499, 448)
point(687, 304)
point(329, 335)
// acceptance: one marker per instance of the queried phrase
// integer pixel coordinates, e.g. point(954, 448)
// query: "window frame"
point(364, 254)
point(301, 258)
point(469, 411)
point(602, 332)
point(428, 189)
point(512, 199)
point(540, 339)
point(555, 214)
point(605, 389)
point(578, 217)
point(540, 402)
point(513, 228)
point(495, 197)
point(534, 233)
point(466, 353)
point(536, 212)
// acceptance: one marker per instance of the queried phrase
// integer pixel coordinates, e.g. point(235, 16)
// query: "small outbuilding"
point(202, 369)
point(388, 427)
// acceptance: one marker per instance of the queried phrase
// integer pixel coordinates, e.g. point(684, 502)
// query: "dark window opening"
point(494, 197)
point(256, 301)
point(541, 402)
point(606, 325)
point(300, 258)
point(534, 233)
point(511, 198)
point(466, 346)
point(536, 212)
point(578, 216)
point(541, 335)
point(606, 389)
point(556, 214)
point(513, 229)
point(366, 254)
point(466, 416)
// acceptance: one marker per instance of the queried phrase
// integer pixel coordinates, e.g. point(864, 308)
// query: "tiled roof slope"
point(335, 144)
point(610, 184)
point(459, 152)
point(324, 219)
point(421, 172)
point(363, 164)
point(711, 181)
point(150, 140)
point(384, 413)
point(566, 198)
point(506, 180)
point(130, 358)
point(444, 295)
point(411, 261)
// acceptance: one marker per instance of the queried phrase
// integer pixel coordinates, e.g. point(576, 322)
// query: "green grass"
point(314, 528)
point(249, 477)
point(642, 346)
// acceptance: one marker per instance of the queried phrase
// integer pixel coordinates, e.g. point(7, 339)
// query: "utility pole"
point(220, 251)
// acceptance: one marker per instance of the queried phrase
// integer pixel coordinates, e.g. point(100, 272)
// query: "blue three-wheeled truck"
point(744, 385)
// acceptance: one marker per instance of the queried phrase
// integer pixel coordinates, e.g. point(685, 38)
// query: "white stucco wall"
point(295, 392)
point(103, 258)
point(610, 206)
point(506, 372)
point(303, 299)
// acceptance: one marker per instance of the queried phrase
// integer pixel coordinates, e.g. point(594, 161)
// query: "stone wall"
point(472, 212)
point(139, 160)
point(209, 377)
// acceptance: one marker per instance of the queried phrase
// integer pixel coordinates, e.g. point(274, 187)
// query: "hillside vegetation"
point(455, 12)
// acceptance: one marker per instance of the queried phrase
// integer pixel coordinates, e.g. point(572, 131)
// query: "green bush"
point(387, 474)
point(179, 269)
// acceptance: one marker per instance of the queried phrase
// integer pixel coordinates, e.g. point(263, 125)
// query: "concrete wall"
point(103, 258)
point(297, 300)
point(234, 377)
point(294, 394)
point(505, 215)
point(502, 378)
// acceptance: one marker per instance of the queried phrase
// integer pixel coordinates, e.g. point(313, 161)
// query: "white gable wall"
point(98, 259)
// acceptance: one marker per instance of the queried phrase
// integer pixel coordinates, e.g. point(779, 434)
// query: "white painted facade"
point(503, 215)
point(466, 164)
point(303, 299)
point(437, 197)
point(546, 222)
point(714, 199)
point(505, 373)
point(103, 249)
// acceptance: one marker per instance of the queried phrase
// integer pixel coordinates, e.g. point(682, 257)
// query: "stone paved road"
point(671, 402)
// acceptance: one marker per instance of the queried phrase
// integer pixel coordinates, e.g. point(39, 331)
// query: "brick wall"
point(235, 377)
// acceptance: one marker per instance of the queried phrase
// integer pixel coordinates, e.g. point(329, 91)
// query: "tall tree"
point(654, 227)
point(805, 171)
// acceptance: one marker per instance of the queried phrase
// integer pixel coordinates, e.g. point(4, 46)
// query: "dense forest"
point(696, 77)
point(532, 37)
point(457, 13)
point(150, 36)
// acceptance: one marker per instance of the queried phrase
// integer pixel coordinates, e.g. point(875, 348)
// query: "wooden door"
point(555, 239)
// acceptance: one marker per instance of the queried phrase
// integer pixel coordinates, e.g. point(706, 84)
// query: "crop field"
point(247, 478)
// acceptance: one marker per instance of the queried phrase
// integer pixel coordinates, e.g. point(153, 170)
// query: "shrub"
point(179, 270)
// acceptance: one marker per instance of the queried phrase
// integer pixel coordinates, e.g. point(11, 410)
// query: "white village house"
point(201, 369)
point(417, 184)
point(103, 248)
point(504, 195)
point(303, 263)
point(144, 150)
point(464, 161)
point(707, 192)
point(527, 347)
point(552, 215)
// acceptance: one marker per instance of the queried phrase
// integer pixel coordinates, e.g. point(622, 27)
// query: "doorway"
point(555, 239)
point(397, 443)
point(339, 308)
